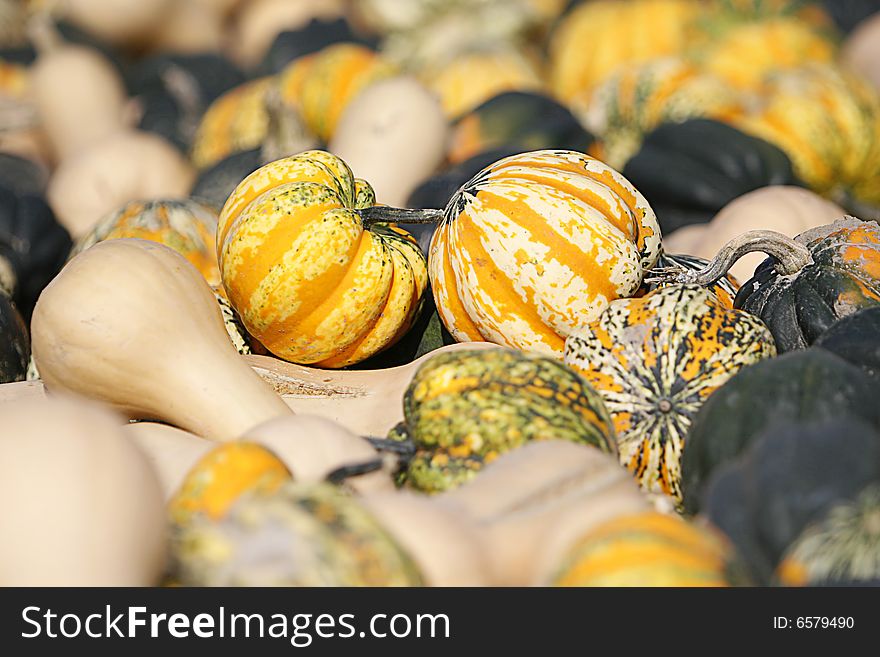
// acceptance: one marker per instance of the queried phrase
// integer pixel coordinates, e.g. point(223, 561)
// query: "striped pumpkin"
point(843, 547)
point(639, 97)
point(223, 475)
point(828, 122)
point(598, 37)
point(186, 226)
point(463, 409)
point(321, 85)
point(649, 549)
point(307, 278)
point(655, 361)
point(473, 78)
point(537, 245)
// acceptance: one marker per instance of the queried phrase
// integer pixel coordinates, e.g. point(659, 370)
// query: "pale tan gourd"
point(530, 504)
point(189, 27)
point(786, 210)
point(125, 23)
point(171, 451)
point(260, 21)
point(83, 506)
point(394, 134)
point(861, 50)
point(78, 95)
point(132, 323)
point(126, 166)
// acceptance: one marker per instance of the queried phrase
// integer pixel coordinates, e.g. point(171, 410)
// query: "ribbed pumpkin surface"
point(655, 360)
point(649, 549)
point(321, 85)
point(536, 245)
point(307, 279)
point(463, 409)
point(186, 226)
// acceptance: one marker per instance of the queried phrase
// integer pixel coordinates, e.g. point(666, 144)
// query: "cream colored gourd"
point(171, 451)
point(190, 27)
point(394, 134)
point(125, 23)
point(518, 499)
point(133, 323)
point(83, 506)
point(126, 166)
point(79, 96)
point(861, 50)
point(260, 21)
point(786, 210)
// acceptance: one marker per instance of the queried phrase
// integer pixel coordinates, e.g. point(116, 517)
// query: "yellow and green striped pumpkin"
point(537, 245)
point(649, 549)
point(321, 85)
point(598, 37)
point(187, 226)
point(655, 360)
point(463, 409)
point(309, 280)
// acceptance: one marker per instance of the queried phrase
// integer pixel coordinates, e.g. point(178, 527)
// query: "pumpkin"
point(214, 184)
point(782, 209)
point(309, 280)
point(186, 226)
point(789, 478)
point(14, 343)
point(321, 85)
point(844, 546)
point(33, 247)
point(689, 171)
point(640, 97)
point(724, 289)
point(474, 77)
point(648, 549)
point(126, 166)
point(536, 245)
point(316, 536)
point(654, 361)
point(377, 130)
point(529, 120)
point(122, 298)
point(811, 386)
point(596, 37)
point(856, 338)
point(463, 409)
point(828, 122)
point(69, 467)
point(860, 51)
point(840, 274)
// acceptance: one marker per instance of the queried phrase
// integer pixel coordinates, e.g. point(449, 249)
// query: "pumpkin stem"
point(791, 257)
point(381, 214)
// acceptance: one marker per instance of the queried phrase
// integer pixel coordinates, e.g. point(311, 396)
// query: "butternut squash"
point(861, 50)
point(121, 22)
point(171, 451)
point(110, 327)
point(85, 507)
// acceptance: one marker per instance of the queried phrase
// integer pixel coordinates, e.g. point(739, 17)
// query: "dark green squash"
point(689, 171)
point(839, 275)
point(847, 14)
point(465, 408)
point(15, 346)
point(33, 247)
point(856, 338)
point(216, 183)
point(316, 35)
point(789, 477)
point(809, 386)
point(530, 121)
point(22, 176)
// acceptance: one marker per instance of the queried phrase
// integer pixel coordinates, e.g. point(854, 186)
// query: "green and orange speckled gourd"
point(536, 245)
point(724, 289)
point(655, 360)
point(301, 535)
point(465, 408)
point(309, 278)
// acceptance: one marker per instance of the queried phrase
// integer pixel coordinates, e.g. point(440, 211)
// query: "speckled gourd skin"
point(654, 361)
point(536, 245)
point(463, 409)
point(302, 535)
point(308, 280)
point(843, 278)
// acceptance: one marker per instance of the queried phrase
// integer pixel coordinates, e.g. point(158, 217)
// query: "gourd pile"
point(423, 293)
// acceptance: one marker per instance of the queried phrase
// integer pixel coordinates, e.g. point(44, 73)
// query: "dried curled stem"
point(381, 214)
point(791, 257)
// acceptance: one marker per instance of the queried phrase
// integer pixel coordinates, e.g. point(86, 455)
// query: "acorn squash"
point(15, 345)
point(856, 339)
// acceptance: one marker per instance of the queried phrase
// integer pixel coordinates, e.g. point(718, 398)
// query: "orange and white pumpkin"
point(537, 245)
